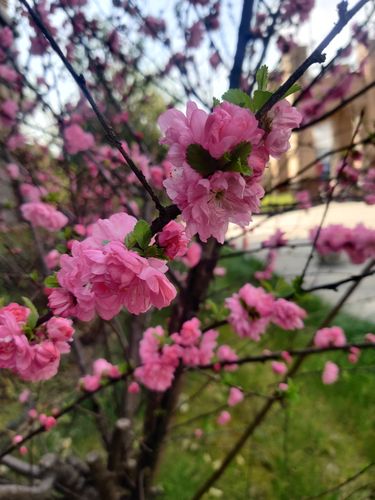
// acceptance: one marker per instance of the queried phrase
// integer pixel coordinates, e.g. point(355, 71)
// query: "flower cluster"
point(161, 355)
point(41, 214)
point(32, 354)
point(173, 240)
point(252, 309)
point(333, 336)
point(358, 242)
point(219, 159)
point(102, 369)
point(77, 140)
point(102, 275)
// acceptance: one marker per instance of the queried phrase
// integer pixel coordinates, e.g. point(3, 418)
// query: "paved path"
point(290, 262)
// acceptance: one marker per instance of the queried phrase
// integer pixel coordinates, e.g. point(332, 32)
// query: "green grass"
point(319, 437)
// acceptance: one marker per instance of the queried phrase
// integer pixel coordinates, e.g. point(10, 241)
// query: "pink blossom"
point(209, 204)
point(102, 275)
point(303, 199)
point(195, 34)
point(193, 255)
point(133, 388)
point(6, 37)
point(158, 362)
point(23, 450)
point(15, 141)
point(52, 259)
point(20, 313)
point(15, 352)
point(330, 373)
point(9, 75)
point(13, 170)
point(227, 126)
point(224, 418)
point(207, 346)
point(76, 140)
point(220, 271)
point(226, 353)
point(103, 368)
point(44, 362)
point(284, 118)
point(354, 354)
point(180, 131)
point(33, 414)
point(198, 433)
point(60, 330)
point(90, 383)
point(80, 229)
point(17, 439)
point(24, 396)
point(267, 272)
point(8, 112)
point(31, 192)
point(283, 386)
point(288, 315)
point(279, 367)
point(250, 311)
point(370, 337)
point(43, 215)
point(215, 59)
point(190, 333)
point(276, 240)
point(173, 239)
point(235, 396)
point(299, 8)
point(333, 238)
point(286, 357)
point(48, 422)
point(153, 26)
point(332, 336)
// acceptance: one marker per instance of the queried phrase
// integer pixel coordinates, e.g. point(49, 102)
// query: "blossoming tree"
point(105, 227)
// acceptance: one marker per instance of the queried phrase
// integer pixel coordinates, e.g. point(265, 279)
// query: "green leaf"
point(61, 248)
point(297, 284)
point(237, 96)
point(260, 98)
point(34, 275)
point(68, 232)
point(51, 281)
point(33, 316)
point(141, 235)
point(200, 160)
point(283, 288)
point(262, 77)
point(236, 160)
point(154, 251)
point(294, 88)
point(216, 102)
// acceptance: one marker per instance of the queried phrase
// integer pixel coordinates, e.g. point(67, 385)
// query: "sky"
point(309, 34)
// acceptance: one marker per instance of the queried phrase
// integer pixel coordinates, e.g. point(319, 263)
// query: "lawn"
point(318, 437)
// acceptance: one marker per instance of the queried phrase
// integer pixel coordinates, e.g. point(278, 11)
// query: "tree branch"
point(334, 110)
point(316, 56)
point(80, 81)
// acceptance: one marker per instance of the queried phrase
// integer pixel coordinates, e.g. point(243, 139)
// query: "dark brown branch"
point(272, 356)
point(67, 409)
point(243, 39)
point(343, 483)
point(337, 108)
point(80, 81)
point(263, 412)
point(367, 140)
point(329, 200)
point(316, 56)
